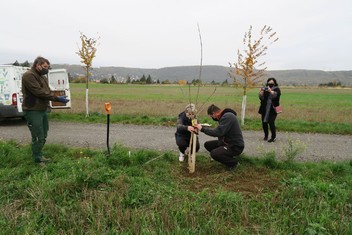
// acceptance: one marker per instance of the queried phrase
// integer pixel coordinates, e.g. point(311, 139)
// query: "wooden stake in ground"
point(192, 150)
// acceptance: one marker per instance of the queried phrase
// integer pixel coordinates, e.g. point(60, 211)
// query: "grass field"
point(84, 192)
point(305, 109)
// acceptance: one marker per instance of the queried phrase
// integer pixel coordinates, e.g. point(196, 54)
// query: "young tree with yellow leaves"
point(248, 72)
point(87, 52)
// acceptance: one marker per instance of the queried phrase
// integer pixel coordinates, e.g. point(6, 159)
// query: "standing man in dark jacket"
point(36, 96)
point(230, 140)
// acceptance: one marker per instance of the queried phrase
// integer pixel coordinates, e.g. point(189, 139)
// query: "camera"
point(265, 88)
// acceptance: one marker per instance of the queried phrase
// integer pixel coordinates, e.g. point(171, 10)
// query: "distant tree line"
point(146, 80)
point(24, 64)
point(331, 84)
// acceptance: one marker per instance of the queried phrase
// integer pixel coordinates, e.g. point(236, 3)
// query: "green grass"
point(315, 110)
point(250, 124)
point(82, 191)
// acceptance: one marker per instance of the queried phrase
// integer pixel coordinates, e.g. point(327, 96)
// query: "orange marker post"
point(107, 110)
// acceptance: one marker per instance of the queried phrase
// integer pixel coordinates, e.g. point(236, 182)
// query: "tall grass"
point(305, 109)
point(147, 192)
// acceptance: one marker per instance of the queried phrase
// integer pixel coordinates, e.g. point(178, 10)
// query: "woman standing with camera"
point(269, 99)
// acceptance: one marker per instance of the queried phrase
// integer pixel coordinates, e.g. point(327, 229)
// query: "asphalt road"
point(314, 147)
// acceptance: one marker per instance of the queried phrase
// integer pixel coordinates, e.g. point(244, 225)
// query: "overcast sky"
point(313, 34)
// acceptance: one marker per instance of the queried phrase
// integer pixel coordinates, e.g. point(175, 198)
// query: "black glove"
point(63, 99)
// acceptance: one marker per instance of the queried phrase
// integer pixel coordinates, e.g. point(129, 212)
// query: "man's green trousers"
point(38, 125)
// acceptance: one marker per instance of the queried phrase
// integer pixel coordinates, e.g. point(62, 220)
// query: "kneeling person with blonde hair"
point(184, 129)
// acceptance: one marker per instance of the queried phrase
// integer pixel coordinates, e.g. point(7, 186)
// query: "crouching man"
point(230, 142)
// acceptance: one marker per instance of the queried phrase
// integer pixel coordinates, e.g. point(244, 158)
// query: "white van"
point(59, 84)
point(10, 89)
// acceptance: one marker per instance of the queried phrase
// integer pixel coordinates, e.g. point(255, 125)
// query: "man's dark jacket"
point(228, 131)
point(36, 91)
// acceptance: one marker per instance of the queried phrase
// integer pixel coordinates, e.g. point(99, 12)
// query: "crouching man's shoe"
point(233, 168)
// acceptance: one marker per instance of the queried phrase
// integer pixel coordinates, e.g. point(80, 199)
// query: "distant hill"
point(213, 73)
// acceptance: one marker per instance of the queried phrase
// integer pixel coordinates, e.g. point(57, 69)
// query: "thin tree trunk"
point(87, 111)
point(243, 113)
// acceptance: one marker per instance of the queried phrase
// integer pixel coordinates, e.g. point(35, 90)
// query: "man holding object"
point(36, 96)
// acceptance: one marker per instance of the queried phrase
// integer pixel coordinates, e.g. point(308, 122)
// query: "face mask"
point(190, 115)
point(271, 85)
point(44, 71)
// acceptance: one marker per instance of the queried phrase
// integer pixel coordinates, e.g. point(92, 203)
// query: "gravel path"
point(315, 147)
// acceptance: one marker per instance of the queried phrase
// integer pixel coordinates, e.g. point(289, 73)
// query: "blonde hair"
point(190, 109)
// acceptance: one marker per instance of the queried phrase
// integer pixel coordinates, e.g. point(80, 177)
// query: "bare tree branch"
point(201, 63)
